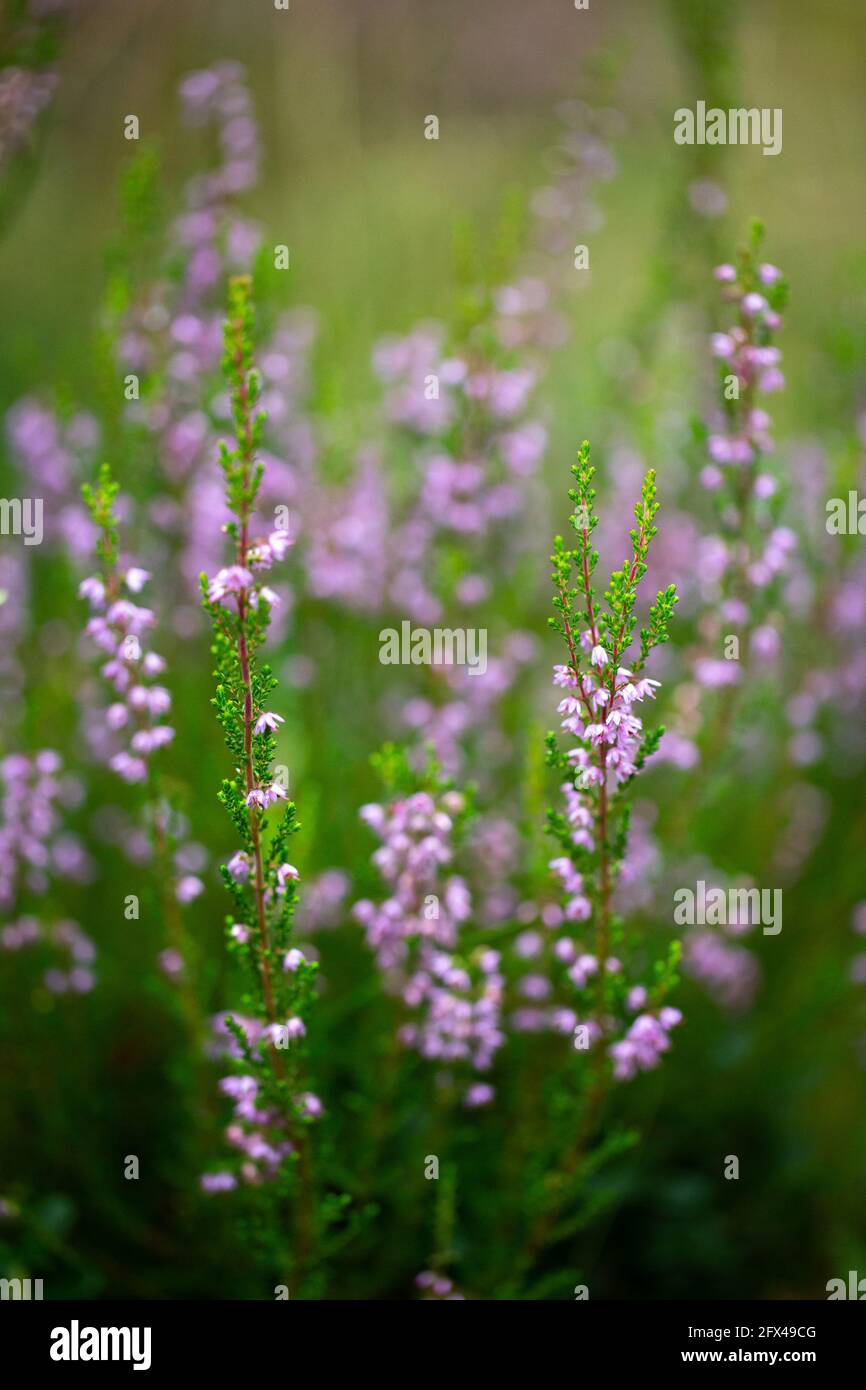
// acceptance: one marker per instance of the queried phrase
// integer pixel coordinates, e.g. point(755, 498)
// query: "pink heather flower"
point(153, 665)
point(293, 959)
point(265, 593)
point(116, 716)
point(218, 1182)
point(158, 700)
point(583, 967)
point(769, 274)
point(285, 873)
point(130, 769)
point(256, 798)
point(711, 478)
point(477, 1095)
point(232, 580)
point(240, 933)
point(624, 1056)
point(295, 1028)
point(310, 1105)
point(129, 616)
point(239, 1087)
point(268, 720)
point(726, 274)
point(772, 380)
point(135, 579)
point(279, 542)
point(372, 815)
point(599, 656)
point(93, 590)
point(578, 908)
point(754, 304)
point(188, 888)
point(239, 867)
point(765, 486)
point(564, 676)
point(146, 741)
point(170, 962)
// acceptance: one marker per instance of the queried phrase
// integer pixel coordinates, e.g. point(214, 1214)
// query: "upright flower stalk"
point(135, 722)
point(271, 1111)
point(752, 553)
point(612, 744)
point(623, 1024)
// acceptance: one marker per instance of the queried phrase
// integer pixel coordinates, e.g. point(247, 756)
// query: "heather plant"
point(132, 730)
point(620, 1023)
point(272, 1110)
point(747, 574)
point(753, 553)
point(430, 956)
point(454, 985)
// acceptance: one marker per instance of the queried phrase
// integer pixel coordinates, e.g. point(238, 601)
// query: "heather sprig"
point(746, 493)
point(272, 1110)
point(118, 626)
point(620, 1024)
point(137, 716)
point(429, 953)
point(753, 552)
point(612, 743)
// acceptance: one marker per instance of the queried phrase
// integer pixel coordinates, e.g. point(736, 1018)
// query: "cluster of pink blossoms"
point(117, 626)
point(258, 1133)
point(53, 454)
point(33, 846)
point(415, 936)
point(601, 717)
point(643, 1044)
point(239, 581)
point(66, 940)
point(729, 973)
point(748, 352)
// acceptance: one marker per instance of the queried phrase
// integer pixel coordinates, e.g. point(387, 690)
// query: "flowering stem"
point(260, 882)
point(612, 748)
